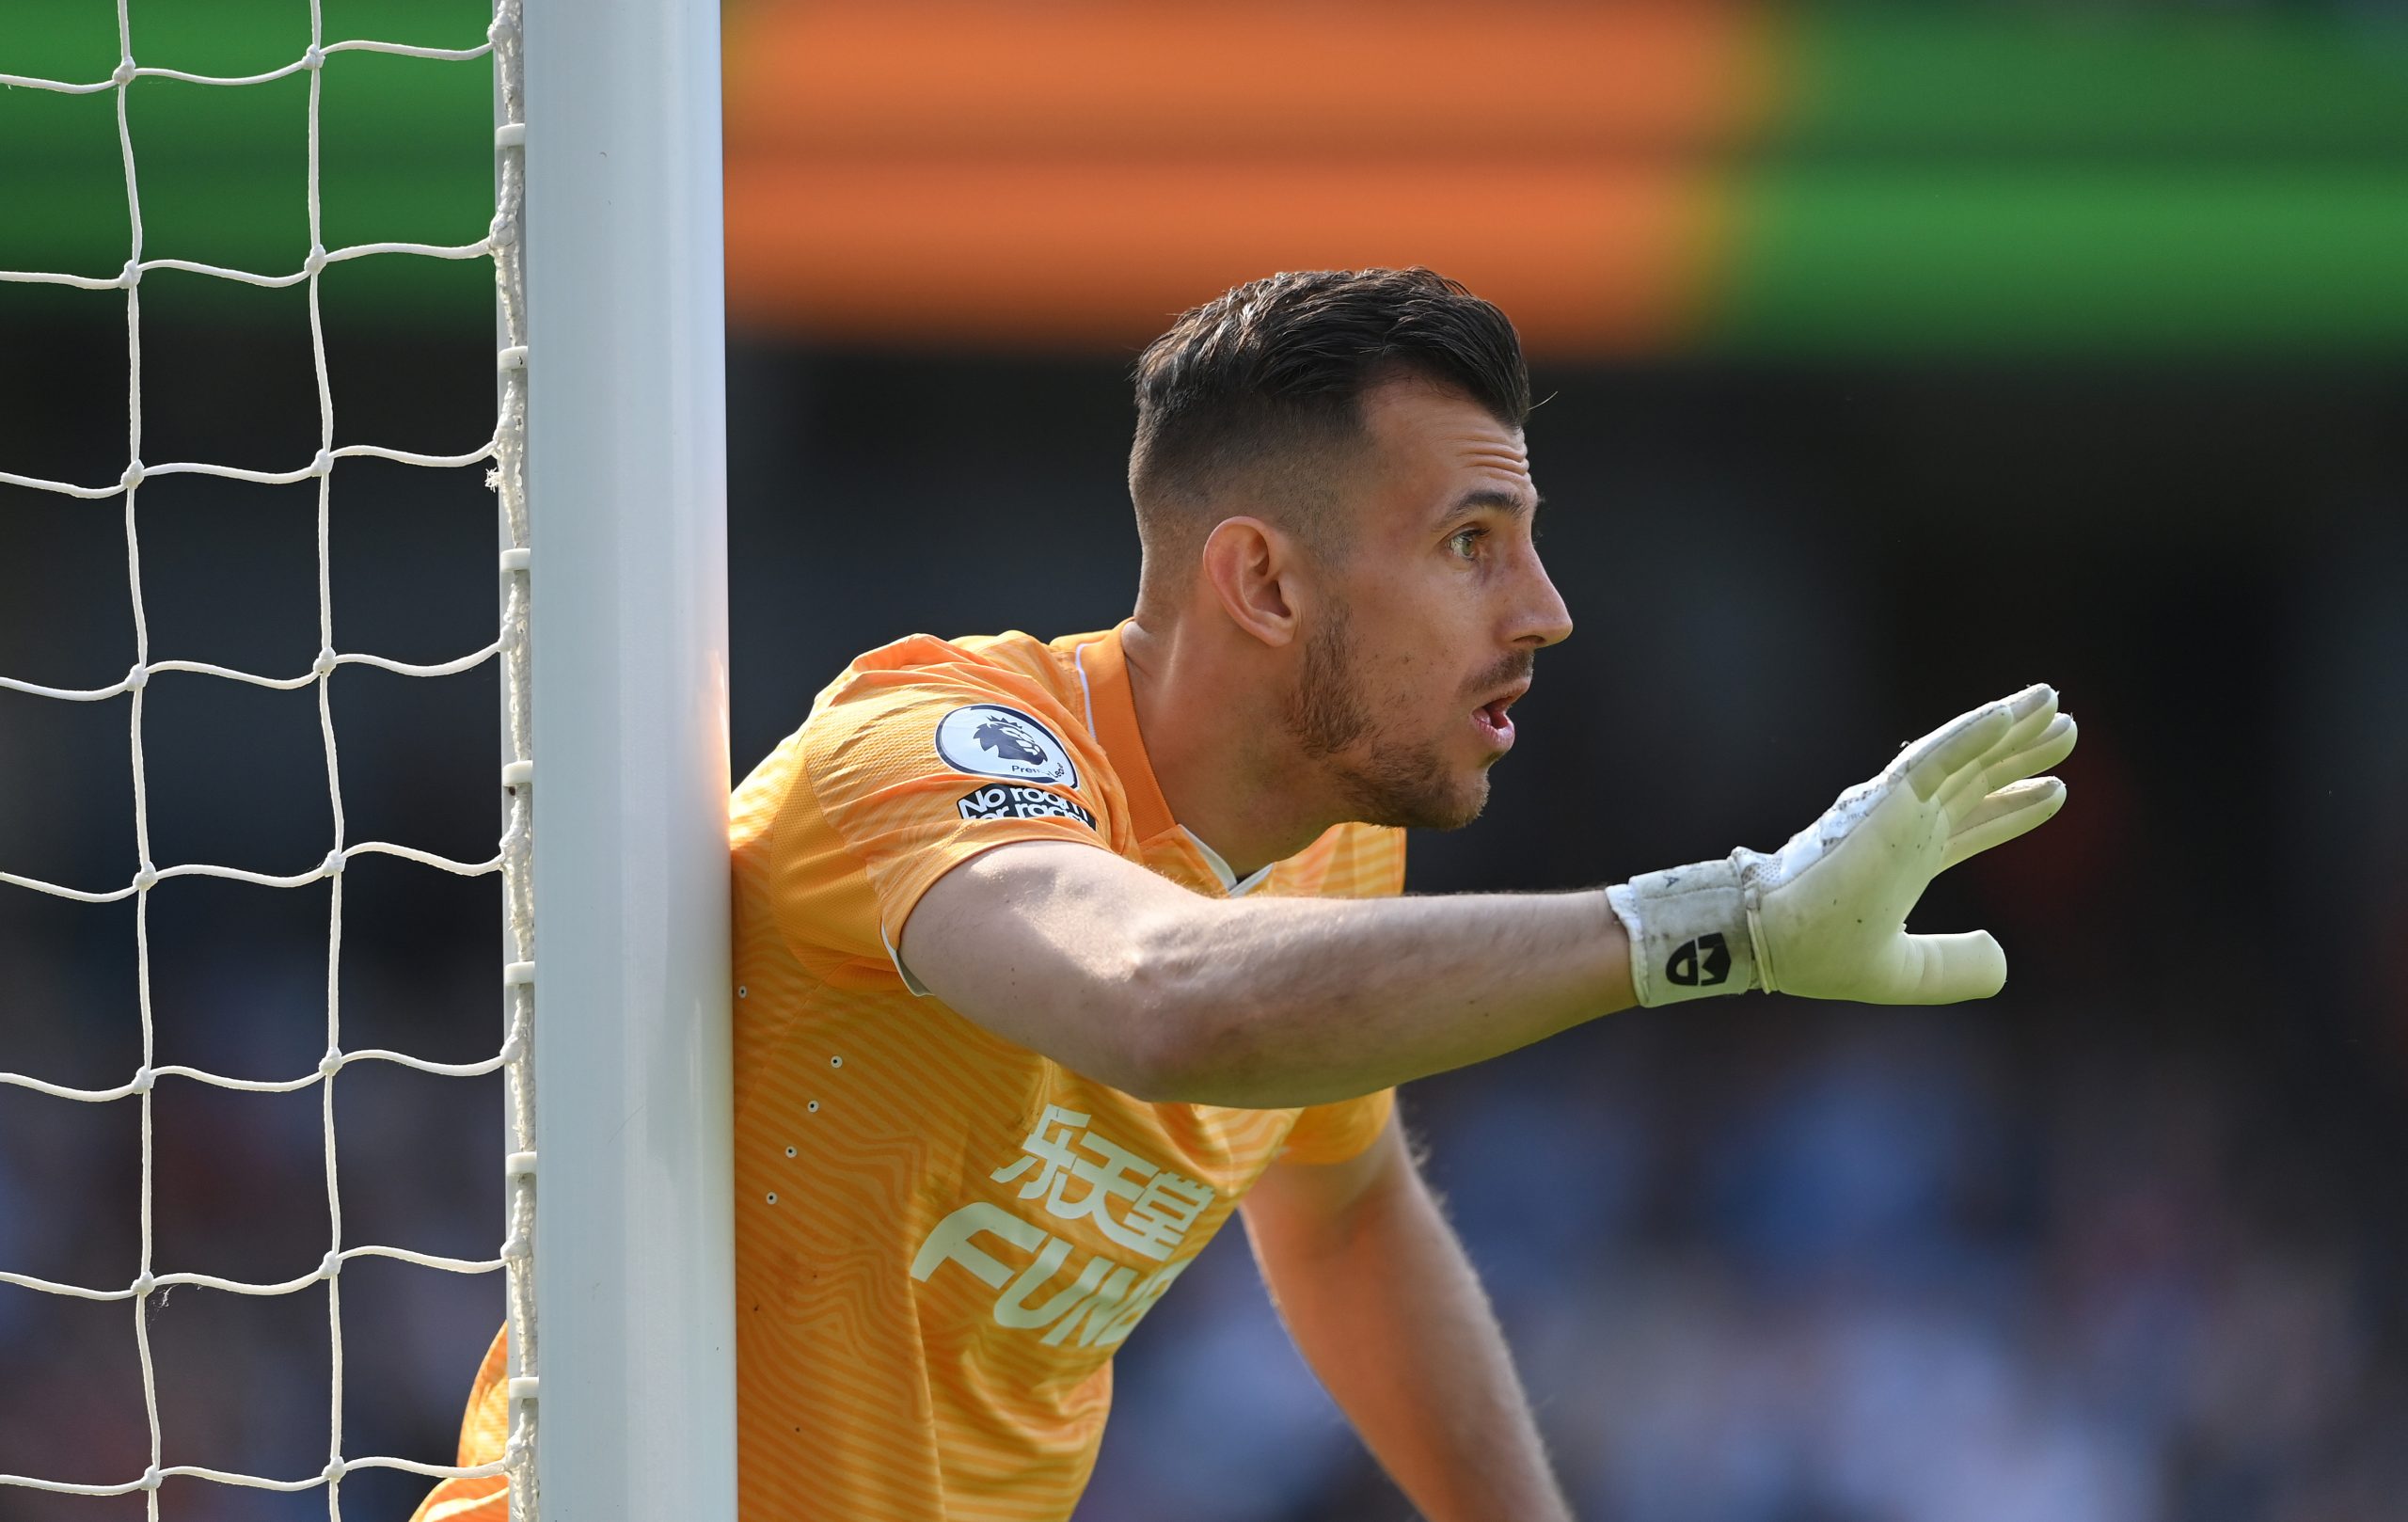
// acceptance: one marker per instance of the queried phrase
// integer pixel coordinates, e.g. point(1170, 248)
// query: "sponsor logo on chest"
point(1077, 1175)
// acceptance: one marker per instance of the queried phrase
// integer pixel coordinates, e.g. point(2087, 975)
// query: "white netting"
point(504, 449)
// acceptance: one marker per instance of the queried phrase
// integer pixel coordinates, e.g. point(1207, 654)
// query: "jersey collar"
point(1111, 718)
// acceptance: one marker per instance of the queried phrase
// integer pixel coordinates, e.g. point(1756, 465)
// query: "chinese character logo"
point(1079, 1176)
point(1079, 1179)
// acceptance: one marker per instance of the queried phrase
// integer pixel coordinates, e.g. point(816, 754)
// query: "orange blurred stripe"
point(1585, 259)
point(998, 76)
point(1068, 175)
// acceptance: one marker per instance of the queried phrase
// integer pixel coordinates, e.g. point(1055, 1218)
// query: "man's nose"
point(1540, 618)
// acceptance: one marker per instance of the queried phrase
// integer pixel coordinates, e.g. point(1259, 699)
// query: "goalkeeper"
point(1052, 956)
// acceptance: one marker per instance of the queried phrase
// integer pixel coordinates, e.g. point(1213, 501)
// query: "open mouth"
point(1494, 723)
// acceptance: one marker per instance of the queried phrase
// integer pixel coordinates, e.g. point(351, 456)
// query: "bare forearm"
point(1286, 1001)
point(1257, 1003)
point(1386, 1309)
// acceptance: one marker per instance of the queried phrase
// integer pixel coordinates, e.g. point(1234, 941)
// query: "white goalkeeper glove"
point(1826, 917)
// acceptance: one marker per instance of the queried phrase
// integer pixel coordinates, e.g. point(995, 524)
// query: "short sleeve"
point(906, 775)
point(1339, 1132)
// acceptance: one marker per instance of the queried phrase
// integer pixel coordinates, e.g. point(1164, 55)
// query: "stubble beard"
point(1384, 778)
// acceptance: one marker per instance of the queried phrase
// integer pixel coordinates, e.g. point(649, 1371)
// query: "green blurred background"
point(1962, 179)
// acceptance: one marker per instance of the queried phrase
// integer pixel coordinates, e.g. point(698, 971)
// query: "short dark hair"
point(1268, 376)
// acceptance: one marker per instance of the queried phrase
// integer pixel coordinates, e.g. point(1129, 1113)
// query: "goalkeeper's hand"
point(1826, 916)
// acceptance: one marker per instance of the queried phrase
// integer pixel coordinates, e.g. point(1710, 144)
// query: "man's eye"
point(1465, 542)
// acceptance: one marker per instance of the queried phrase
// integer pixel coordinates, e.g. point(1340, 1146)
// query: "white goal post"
point(609, 457)
point(635, 1257)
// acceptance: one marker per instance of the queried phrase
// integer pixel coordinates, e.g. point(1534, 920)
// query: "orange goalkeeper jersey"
point(941, 1236)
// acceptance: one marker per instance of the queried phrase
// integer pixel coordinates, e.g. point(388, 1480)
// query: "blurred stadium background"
point(1856, 323)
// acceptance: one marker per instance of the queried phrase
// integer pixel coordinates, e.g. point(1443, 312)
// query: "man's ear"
point(1252, 569)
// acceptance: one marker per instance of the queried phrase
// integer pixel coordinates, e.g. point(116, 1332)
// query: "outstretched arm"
point(1166, 995)
point(1376, 1290)
point(1163, 994)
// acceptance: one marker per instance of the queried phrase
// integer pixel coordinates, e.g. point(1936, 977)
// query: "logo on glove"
point(1705, 960)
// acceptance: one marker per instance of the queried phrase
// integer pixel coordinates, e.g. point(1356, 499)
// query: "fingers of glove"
point(1930, 761)
point(2002, 816)
point(2055, 743)
point(2011, 764)
point(2034, 709)
point(1944, 969)
point(1966, 787)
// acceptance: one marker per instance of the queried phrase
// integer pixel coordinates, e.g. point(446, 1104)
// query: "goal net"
point(604, 458)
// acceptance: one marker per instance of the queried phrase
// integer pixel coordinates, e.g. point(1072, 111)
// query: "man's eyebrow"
point(1496, 498)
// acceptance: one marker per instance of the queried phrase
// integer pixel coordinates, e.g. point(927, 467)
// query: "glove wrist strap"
point(1690, 932)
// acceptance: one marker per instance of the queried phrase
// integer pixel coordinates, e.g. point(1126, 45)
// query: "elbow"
point(1189, 1034)
point(1193, 1038)
point(1170, 1062)
point(1160, 1068)
point(1155, 1018)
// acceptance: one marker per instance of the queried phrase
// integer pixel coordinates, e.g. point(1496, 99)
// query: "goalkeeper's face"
point(1429, 616)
